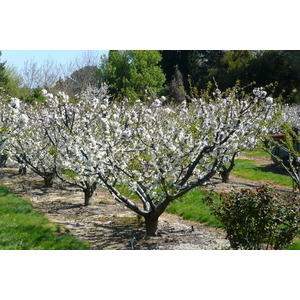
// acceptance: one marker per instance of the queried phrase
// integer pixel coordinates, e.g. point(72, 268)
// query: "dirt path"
point(106, 224)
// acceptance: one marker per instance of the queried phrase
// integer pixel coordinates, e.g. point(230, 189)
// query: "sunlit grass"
point(247, 169)
point(22, 228)
point(295, 245)
point(191, 207)
point(256, 152)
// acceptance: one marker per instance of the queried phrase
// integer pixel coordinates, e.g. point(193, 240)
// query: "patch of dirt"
point(106, 224)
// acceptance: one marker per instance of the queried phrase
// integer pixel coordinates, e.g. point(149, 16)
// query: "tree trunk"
point(48, 180)
point(3, 159)
point(88, 192)
point(151, 225)
point(87, 196)
point(225, 175)
point(22, 171)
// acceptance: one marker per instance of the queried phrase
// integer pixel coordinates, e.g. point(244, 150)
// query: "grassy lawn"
point(247, 169)
point(22, 228)
point(256, 152)
point(191, 207)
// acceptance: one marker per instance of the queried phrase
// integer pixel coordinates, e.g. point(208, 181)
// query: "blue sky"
point(17, 58)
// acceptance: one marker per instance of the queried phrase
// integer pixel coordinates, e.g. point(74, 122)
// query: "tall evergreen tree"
point(175, 90)
point(186, 61)
point(196, 66)
point(264, 67)
point(210, 65)
point(282, 66)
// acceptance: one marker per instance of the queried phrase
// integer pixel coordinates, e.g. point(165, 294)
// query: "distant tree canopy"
point(132, 73)
point(198, 67)
point(262, 67)
point(177, 74)
point(78, 80)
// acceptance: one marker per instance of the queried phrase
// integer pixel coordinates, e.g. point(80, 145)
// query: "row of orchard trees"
point(286, 149)
point(160, 152)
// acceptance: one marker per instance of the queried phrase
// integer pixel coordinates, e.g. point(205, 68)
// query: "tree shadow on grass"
point(276, 169)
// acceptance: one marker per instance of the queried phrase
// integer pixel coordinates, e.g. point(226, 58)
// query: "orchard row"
point(159, 151)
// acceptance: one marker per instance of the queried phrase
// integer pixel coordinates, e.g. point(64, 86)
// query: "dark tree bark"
point(3, 159)
point(225, 172)
point(22, 171)
point(49, 180)
point(88, 193)
point(151, 224)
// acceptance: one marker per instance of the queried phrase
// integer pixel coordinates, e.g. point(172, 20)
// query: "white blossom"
point(23, 120)
point(15, 103)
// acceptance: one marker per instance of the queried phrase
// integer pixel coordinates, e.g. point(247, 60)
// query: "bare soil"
point(106, 224)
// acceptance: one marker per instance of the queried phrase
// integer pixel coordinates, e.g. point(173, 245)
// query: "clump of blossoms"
point(32, 148)
point(291, 116)
point(255, 133)
point(12, 122)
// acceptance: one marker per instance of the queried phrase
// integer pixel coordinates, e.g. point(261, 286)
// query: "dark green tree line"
point(199, 67)
point(178, 74)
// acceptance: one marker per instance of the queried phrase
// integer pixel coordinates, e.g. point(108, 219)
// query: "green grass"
point(191, 207)
point(295, 245)
point(247, 169)
point(22, 228)
point(256, 152)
